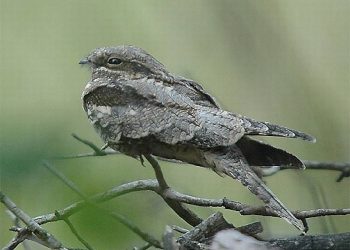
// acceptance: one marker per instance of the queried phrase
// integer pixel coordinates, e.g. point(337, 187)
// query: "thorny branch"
point(342, 167)
point(152, 185)
point(33, 231)
point(145, 236)
point(18, 239)
point(185, 213)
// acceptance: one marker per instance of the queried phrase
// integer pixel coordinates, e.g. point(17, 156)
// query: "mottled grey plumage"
point(138, 108)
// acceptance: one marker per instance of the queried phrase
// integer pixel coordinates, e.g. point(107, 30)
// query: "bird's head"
point(122, 62)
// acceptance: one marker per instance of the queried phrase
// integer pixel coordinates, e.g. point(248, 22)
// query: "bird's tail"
point(260, 154)
point(231, 162)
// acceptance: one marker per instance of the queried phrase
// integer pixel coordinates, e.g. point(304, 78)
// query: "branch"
point(97, 150)
point(33, 227)
point(141, 185)
point(75, 232)
point(201, 236)
point(211, 234)
point(343, 167)
point(169, 239)
point(202, 229)
point(145, 236)
point(206, 229)
point(314, 242)
point(152, 185)
point(185, 213)
point(18, 237)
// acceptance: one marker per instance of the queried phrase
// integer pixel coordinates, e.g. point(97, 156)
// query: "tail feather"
point(231, 162)
point(260, 154)
point(253, 127)
point(257, 187)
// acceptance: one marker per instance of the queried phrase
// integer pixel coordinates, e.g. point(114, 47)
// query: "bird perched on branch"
point(139, 108)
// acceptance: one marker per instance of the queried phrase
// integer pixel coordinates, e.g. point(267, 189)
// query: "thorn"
point(104, 146)
point(306, 226)
point(142, 161)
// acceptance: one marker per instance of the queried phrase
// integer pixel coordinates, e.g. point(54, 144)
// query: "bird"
point(139, 108)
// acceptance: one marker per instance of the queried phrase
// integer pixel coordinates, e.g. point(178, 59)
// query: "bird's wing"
point(219, 128)
point(253, 127)
point(201, 95)
point(223, 128)
point(139, 109)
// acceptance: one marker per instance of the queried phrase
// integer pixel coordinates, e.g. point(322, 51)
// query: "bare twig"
point(204, 231)
point(173, 198)
point(145, 236)
point(343, 167)
point(97, 150)
point(251, 229)
point(74, 231)
point(16, 222)
point(152, 185)
point(169, 239)
point(184, 212)
point(45, 237)
point(141, 185)
point(313, 242)
point(62, 216)
point(84, 155)
point(179, 229)
point(159, 174)
point(143, 247)
point(336, 166)
point(22, 235)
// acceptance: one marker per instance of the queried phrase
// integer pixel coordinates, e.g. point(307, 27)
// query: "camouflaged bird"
point(139, 108)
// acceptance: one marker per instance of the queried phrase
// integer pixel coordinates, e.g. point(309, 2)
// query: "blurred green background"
point(281, 61)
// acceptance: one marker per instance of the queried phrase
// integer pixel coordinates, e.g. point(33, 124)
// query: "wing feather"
point(139, 109)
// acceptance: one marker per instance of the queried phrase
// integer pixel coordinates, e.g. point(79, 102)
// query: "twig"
point(159, 174)
point(179, 229)
point(16, 222)
point(74, 231)
point(169, 240)
point(142, 248)
point(64, 179)
point(148, 238)
point(180, 209)
point(343, 167)
point(47, 239)
point(152, 185)
point(173, 198)
point(135, 186)
point(22, 235)
point(251, 229)
point(205, 230)
point(313, 242)
point(84, 155)
point(145, 236)
point(97, 150)
point(336, 166)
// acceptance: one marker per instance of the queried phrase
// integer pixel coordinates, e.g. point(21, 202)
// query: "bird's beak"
point(84, 61)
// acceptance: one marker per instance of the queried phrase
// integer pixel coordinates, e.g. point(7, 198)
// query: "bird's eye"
point(114, 61)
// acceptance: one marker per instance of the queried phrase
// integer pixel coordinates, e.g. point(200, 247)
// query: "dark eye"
point(114, 61)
